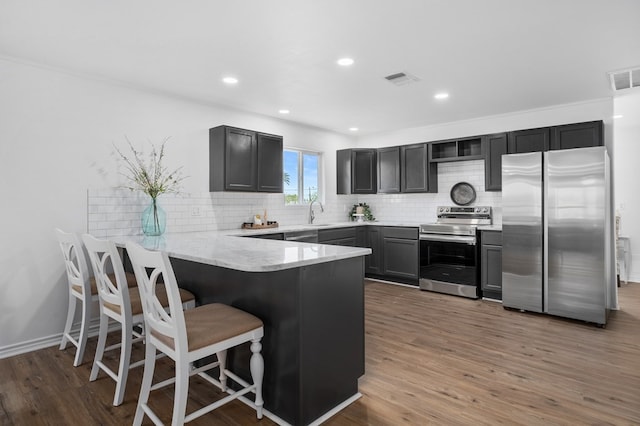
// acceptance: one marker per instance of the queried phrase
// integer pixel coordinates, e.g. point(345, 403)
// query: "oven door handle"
point(470, 240)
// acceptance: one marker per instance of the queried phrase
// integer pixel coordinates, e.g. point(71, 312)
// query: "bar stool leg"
point(256, 364)
point(102, 340)
point(181, 392)
point(147, 378)
point(71, 311)
point(125, 358)
point(84, 332)
point(222, 359)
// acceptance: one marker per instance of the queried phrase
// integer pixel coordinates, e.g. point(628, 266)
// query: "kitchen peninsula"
point(310, 298)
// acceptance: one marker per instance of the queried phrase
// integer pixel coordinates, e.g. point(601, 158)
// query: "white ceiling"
point(492, 56)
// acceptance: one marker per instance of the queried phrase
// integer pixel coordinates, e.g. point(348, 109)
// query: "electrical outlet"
point(195, 211)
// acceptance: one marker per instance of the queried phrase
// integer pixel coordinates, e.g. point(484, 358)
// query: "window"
point(301, 176)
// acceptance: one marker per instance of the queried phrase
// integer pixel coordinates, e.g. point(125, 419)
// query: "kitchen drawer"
point(336, 234)
point(493, 238)
point(408, 233)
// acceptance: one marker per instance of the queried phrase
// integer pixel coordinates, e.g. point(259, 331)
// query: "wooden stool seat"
point(211, 324)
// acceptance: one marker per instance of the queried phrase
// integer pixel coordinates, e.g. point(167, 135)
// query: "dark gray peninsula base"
point(313, 317)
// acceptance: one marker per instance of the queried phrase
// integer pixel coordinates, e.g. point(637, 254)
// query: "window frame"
point(300, 154)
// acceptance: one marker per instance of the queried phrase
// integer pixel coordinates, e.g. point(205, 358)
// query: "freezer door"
point(576, 217)
point(522, 255)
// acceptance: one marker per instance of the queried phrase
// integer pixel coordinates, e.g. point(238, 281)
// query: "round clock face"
point(463, 194)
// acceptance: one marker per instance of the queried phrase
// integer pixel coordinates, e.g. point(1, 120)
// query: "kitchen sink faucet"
point(312, 214)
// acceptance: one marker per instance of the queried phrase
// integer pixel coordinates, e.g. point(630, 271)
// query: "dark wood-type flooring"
point(430, 359)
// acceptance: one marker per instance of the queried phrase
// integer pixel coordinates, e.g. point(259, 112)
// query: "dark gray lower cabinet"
point(313, 359)
point(394, 253)
point(361, 236)
point(338, 236)
point(274, 236)
point(373, 262)
point(491, 264)
point(401, 253)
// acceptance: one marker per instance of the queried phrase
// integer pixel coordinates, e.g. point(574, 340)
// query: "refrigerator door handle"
point(545, 233)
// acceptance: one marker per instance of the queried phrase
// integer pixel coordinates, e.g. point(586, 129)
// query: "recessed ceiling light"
point(284, 111)
point(353, 129)
point(345, 62)
point(618, 116)
point(441, 95)
point(230, 80)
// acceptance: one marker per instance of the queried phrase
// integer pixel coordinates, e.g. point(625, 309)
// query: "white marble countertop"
point(222, 248)
point(318, 226)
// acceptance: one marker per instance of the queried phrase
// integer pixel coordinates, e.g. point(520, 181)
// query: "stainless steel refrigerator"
point(556, 233)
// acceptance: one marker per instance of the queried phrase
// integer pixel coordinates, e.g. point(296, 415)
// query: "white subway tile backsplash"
point(117, 211)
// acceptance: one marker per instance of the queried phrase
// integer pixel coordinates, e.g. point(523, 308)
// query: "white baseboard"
point(48, 341)
point(30, 345)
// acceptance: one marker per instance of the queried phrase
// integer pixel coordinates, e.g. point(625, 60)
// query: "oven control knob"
point(441, 209)
point(477, 210)
point(447, 209)
point(485, 210)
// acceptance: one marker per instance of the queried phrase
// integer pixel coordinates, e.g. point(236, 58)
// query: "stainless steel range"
point(448, 251)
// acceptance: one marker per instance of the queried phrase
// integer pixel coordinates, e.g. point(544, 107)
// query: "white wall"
point(56, 136)
point(627, 174)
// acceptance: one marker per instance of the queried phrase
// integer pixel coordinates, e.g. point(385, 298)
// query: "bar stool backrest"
point(75, 263)
point(105, 258)
point(151, 268)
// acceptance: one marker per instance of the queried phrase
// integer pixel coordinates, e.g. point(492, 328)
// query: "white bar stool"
point(82, 287)
point(79, 290)
point(188, 336)
point(121, 304)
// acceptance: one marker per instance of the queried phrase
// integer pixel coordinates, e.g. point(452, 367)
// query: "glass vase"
point(154, 219)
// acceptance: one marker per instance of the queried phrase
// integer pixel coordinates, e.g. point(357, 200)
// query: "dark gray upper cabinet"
point(579, 135)
point(269, 163)
point(356, 171)
point(494, 146)
point(343, 170)
point(456, 150)
point(244, 160)
point(413, 168)
point(389, 170)
point(417, 174)
point(532, 140)
point(363, 171)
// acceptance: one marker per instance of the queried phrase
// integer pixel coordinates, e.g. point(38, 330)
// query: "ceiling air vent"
point(625, 79)
point(402, 78)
